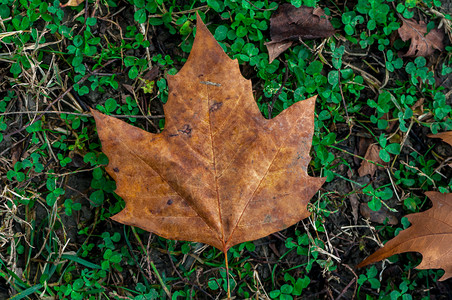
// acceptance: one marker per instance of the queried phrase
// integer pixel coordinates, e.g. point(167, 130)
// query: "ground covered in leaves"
point(383, 81)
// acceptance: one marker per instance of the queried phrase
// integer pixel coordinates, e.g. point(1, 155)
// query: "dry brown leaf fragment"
point(219, 173)
point(354, 203)
point(372, 154)
point(72, 3)
point(276, 48)
point(422, 44)
point(445, 136)
point(291, 23)
point(430, 234)
point(418, 106)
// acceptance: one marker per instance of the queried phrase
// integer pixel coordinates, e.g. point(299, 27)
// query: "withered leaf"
point(291, 23)
point(430, 234)
point(219, 173)
point(422, 44)
point(368, 168)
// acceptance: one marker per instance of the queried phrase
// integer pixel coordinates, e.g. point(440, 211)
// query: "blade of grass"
point(26, 292)
point(81, 261)
point(168, 293)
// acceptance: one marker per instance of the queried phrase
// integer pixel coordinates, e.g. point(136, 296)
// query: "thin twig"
point(358, 156)
point(79, 114)
point(343, 98)
point(346, 289)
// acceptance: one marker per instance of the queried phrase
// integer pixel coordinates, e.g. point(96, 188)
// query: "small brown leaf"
point(421, 44)
point(291, 23)
point(368, 168)
point(219, 173)
point(430, 234)
point(72, 3)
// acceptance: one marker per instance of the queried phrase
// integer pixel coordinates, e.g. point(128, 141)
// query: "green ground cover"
point(56, 238)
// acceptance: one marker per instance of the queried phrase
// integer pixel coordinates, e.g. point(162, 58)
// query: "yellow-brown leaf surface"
point(219, 173)
point(430, 234)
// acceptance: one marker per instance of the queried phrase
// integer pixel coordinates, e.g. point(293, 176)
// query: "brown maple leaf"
point(219, 173)
point(291, 23)
point(430, 234)
point(422, 44)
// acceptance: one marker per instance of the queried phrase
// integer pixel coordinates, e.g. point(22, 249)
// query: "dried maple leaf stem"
point(227, 272)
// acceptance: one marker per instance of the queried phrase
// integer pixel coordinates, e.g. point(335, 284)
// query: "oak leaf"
point(430, 234)
point(422, 43)
point(219, 173)
point(291, 24)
